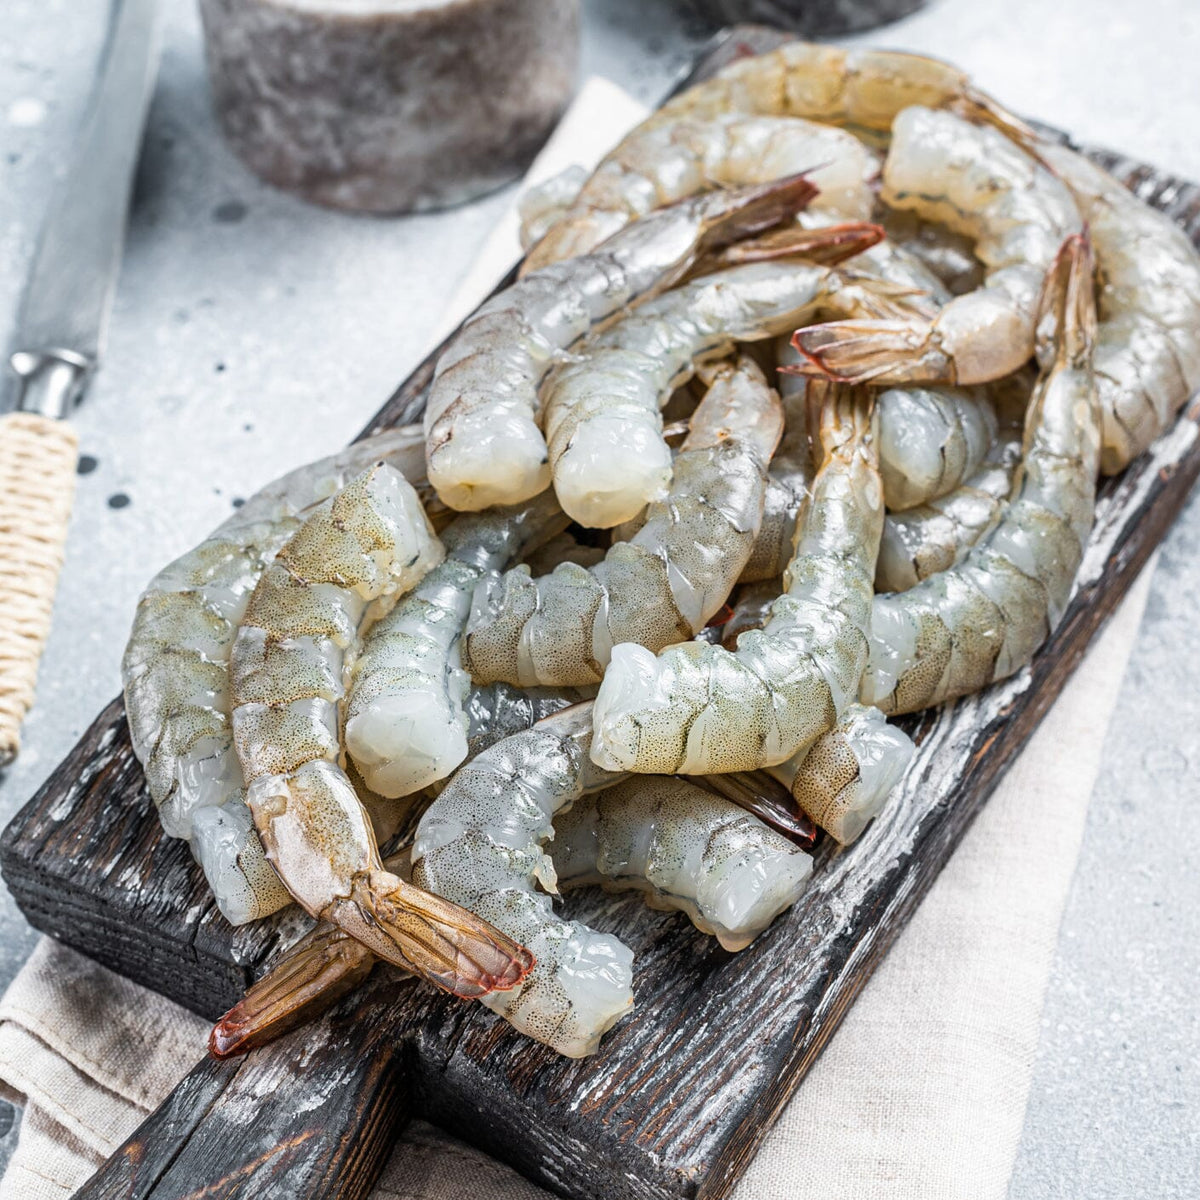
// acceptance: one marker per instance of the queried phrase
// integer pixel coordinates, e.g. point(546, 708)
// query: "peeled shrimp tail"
point(320, 969)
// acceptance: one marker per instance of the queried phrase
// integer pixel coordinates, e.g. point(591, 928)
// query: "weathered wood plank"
point(682, 1092)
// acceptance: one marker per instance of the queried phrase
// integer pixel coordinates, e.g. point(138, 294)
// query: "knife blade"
point(56, 348)
point(64, 310)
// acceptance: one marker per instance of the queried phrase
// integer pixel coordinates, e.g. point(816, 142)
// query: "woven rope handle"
point(37, 486)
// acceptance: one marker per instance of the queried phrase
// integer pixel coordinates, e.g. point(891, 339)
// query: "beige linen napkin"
point(921, 1093)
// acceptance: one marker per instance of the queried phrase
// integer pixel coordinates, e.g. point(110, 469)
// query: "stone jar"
point(390, 106)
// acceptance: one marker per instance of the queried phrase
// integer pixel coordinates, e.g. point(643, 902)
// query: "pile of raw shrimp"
point(793, 422)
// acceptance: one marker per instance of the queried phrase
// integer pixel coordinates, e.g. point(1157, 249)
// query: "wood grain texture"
point(683, 1091)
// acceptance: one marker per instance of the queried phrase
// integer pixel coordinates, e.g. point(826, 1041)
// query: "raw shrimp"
point(948, 256)
point(687, 850)
point(541, 205)
point(860, 89)
point(698, 708)
point(483, 444)
point(669, 162)
point(974, 180)
point(788, 479)
point(405, 724)
point(480, 845)
point(664, 584)
point(844, 779)
point(603, 421)
point(930, 440)
point(354, 554)
point(176, 669)
point(982, 620)
point(922, 541)
point(1148, 340)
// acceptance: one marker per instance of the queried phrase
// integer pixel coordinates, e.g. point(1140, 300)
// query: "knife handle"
point(37, 486)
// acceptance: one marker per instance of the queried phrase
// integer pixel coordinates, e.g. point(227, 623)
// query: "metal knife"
point(56, 348)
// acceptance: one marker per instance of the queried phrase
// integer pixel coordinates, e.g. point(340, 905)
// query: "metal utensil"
point(56, 348)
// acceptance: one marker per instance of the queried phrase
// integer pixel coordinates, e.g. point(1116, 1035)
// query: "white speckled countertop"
point(252, 332)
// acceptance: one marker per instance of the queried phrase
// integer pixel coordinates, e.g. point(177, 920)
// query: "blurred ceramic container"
point(390, 106)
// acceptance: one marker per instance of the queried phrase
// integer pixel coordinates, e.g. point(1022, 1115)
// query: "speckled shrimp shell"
point(176, 672)
point(698, 708)
point(1148, 338)
point(667, 163)
point(484, 445)
point(845, 778)
point(686, 850)
point(664, 584)
point(975, 181)
point(405, 725)
point(983, 619)
point(603, 408)
point(480, 845)
point(354, 553)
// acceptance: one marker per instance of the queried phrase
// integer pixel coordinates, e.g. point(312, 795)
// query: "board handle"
point(311, 1116)
point(37, 488)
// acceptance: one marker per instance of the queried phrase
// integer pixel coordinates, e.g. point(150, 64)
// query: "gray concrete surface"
point(252, 333)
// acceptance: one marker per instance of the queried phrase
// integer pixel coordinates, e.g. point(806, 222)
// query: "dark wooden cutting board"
point(682, 1091)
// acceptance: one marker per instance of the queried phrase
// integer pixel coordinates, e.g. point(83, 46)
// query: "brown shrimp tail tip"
point(898, 351)
point(1066, 327)
point(308, 979)
point(440, 941)
point(732, 214)
point(826, 245)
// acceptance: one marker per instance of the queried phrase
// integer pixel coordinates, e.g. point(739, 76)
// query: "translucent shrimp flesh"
point(603, 421)
point(973, 180)
point(480, 845)
point(664, 584)
point(176, 672)
point(983, 619)
point(352, 556)
point(686, 850)
point(405, 725)
point(930, 441)
point(669, 162)
point(698, 708)
point(484, 445)
point(1148, 338)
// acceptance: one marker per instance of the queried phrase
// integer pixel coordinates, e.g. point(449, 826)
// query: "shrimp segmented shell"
point(484, 445)
point(176, 672)
point(669, 162)
point(664, 584)
point(844, 779)
point(480, 845)
point(686, 850)
point(982, 620)
point(405, 725)
point(1148, 339)
point(355, 553)
point(975, 181)
point(603, 421)
point(699, 708)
